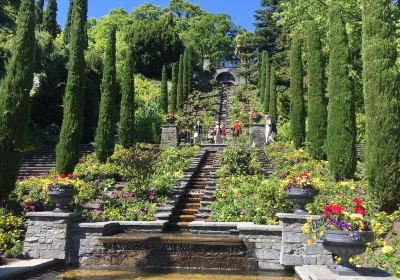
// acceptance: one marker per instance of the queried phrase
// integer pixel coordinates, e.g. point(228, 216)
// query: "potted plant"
point(61, 191)
point(170, 118)
point(345, 233)
point(256, 117)
point(300, 192)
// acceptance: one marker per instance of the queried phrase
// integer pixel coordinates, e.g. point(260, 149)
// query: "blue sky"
point(241, 11)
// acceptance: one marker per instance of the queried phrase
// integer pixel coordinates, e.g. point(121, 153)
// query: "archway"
point(226, 78)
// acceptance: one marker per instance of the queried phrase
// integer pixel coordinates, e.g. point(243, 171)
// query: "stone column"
point(295, 251)
point(257, 135)
point(48, 234)
point(169, 136)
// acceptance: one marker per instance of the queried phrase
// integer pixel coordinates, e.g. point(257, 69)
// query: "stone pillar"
point(169, 136)
point(257, 135)
point(295, 251)
point(48, 234)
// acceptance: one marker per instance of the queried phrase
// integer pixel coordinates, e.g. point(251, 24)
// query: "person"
point(270, 129)
point(198, 131)
point(236, 130)
point(216, 133)
point(222, 133)
point(211, 132)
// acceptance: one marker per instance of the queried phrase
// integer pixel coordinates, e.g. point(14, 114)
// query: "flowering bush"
point(240, 160)
point(61, 182)
point(303, 181)
point(12, 228)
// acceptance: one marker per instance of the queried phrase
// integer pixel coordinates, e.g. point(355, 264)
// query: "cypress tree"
point(317, 107)
point(185, 75)
point(382, 102)
point(297, 110)
point(267, 82)
point(72, 125)
point(14, 98)
point(39, 5)
point(50, 19)
point(262, 74)
point(127, 118)
point(164, 89)
point(174, 89)
point(190, 71)
point(104, 141)
point(341, 134)
point(179, 102)
point(273, 111)
point(259, 65)
point(67, 27)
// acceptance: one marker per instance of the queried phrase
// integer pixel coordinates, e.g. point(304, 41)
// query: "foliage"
point(185, 88)
point(104, 141)
point(248, 198)
point(72, 125)
point(180, 93)
point(382, 101)
point(266, 93)
point(174, 89)
point(240, 160)
point(11, 234)
point(267, 27)
point(317, 105)
point(273, 111)
point(297, 109)
point(127, 115)
point(14, 98)
point(164, 90)
point(50, 24)
point(341, 134)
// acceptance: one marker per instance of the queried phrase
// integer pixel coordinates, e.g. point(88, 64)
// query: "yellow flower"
point(387, 249)
point(310, 241)
point(355, 216)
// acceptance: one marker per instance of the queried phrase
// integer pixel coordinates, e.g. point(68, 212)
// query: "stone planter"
point(346, 244)
point(61, 198)
point(171, 119)
point(300, 198)
point(256, 118)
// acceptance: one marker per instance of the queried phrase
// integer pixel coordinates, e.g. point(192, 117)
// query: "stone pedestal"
point(321, 272)
point(47, 236)
point(295, 250)
point(169, 136)
point(257, 135)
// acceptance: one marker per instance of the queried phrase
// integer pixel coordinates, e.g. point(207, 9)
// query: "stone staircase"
point(40, 162)
point(266, 165)
point(189, 204)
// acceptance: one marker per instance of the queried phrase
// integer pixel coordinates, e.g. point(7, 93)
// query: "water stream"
point(126, 274)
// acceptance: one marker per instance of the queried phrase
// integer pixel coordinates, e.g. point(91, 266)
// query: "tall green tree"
point(104, 140)
point(341, 137)
point(267, 83)
point(185, 75)
point(297, 109)
point(190, 71)
point(262, 76)
point(127, 118)
point(267, 28)
point(67, 150)
point(174, 89)
point(67, 27)
point(317, 103)
point(39, 6)
point(259, 65)
point(180, 86)
point(382, 101)
point(273, 111)
point(164, 90)
point(14, 98)
point(50, 19)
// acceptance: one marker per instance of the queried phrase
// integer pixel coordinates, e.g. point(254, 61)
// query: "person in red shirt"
point(236, 130)
point(222, 133)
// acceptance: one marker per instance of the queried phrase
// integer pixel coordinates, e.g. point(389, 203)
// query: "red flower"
point(359, 209)
point(304, 175)
point(62, 175)
point(357, 201)
point(70, 176)
point(332, 210)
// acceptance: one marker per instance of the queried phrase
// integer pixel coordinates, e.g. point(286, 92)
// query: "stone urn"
point(62, 198)
point(346, 244)
point(256, 118)
point(300, 197)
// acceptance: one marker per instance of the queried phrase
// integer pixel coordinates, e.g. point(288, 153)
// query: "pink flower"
point(357, 201)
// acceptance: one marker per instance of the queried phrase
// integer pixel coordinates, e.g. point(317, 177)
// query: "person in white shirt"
point(269, 133)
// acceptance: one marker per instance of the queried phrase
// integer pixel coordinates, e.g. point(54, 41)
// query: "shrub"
point(240, 160)
point(12, 228)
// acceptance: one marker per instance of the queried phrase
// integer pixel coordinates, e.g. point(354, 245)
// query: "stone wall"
point(48, 233)
point(294, 249)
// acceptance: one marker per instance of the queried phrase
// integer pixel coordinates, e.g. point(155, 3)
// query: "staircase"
point(266, 165)
point(42, 161)
point(189, 204)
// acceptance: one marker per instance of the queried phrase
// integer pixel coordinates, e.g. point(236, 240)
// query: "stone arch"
point(226, 77)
